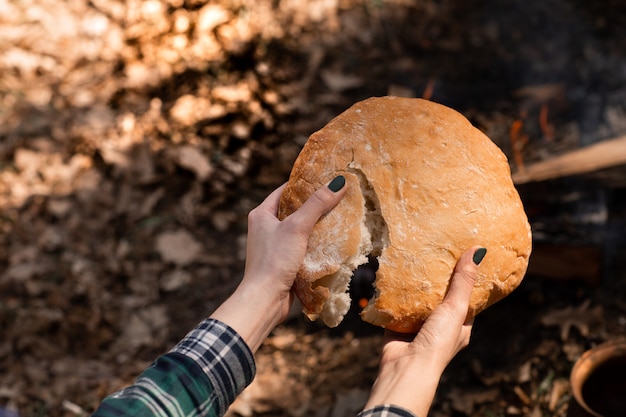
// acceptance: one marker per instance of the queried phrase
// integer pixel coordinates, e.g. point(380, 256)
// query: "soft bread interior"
point(374, 239)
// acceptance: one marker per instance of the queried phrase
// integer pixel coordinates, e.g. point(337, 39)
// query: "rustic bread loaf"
point(423, 186)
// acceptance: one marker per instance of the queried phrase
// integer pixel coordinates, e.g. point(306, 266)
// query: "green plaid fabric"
point(201, 376)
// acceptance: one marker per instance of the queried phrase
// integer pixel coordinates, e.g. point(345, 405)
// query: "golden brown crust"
point(435, 184)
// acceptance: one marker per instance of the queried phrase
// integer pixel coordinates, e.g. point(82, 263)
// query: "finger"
point(464, 277)
point(320, 202)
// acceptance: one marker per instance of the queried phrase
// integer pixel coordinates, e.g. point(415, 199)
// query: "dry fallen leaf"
point(339, 82)
point(272, 390)
point(466, 401)
point(193, 159)
point(175, 279)
point(178, 247)
point(580, 317)
point(189, 110)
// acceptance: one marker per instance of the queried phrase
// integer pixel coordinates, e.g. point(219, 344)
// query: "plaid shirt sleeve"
point(386, 411)
point(201, 376)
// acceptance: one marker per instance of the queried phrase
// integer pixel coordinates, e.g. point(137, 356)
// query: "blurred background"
point(136, 135)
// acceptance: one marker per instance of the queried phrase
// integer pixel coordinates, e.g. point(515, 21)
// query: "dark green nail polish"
point(479, 255)
point(337, 184)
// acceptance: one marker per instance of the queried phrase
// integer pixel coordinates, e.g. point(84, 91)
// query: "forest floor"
point(136, 135)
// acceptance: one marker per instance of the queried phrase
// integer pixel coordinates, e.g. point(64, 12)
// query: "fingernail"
point(479, 255)
point(337, 184)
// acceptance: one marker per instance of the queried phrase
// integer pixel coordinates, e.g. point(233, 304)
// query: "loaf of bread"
point(423, 186)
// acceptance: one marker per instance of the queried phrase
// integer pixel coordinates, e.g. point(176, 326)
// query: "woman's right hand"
point(411, 365)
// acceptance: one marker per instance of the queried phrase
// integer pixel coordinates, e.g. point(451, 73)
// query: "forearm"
point(252, 313)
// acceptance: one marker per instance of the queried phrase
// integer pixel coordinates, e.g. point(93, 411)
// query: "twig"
point(592, 158)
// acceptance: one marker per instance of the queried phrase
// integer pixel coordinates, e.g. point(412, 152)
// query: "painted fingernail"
point(337, 184)
point(479, 255)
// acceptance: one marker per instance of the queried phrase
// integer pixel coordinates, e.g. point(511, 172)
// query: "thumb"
point(319, 203)
point(464, 277)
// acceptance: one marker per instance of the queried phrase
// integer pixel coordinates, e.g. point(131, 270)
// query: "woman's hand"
point(411, 366)
point(274, 253)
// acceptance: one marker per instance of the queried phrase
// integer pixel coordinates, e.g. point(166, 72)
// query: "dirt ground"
point(136, 135)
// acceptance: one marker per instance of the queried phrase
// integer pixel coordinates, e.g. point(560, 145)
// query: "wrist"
point(410, 383)
point(252, 312)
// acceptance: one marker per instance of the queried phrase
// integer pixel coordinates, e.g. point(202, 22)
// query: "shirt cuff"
point(386, 411)
point(223, 356)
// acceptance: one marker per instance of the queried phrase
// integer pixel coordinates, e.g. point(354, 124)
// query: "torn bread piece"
point(423, 186)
